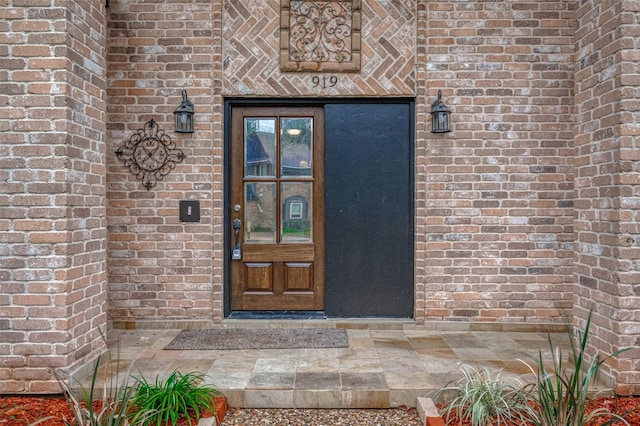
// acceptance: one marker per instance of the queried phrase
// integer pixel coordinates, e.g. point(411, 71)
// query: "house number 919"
point(324, 81)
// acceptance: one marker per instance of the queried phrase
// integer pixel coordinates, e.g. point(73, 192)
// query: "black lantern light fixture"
point(184, 115)
point(440, 116)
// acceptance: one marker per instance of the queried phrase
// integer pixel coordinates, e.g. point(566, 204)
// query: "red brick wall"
point(607, 174)
point(497, 231)
point(160, 268)
point(52, 202)
point(495, 199)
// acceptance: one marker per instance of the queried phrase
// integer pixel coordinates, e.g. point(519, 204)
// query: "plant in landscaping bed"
point(178, 395)
point(108, 406)
point(481, 399)
point(562, 394)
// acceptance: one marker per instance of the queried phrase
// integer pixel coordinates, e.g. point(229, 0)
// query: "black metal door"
point(369, 210)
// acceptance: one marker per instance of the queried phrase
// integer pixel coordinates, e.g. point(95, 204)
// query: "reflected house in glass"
point(260, 196)
point(298, 168)
point(296, 211)
point(290, 184)
point(258, 161)
point(296, 140)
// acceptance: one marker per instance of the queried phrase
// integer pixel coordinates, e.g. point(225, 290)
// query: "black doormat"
point(260, 338)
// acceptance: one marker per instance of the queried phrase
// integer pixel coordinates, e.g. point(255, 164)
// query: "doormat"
point(260, 338)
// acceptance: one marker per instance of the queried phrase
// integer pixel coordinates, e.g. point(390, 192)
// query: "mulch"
point(627, 406)
point(45, 410)
point(26, 410)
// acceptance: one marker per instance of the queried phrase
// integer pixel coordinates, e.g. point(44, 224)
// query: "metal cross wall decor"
point(150, 154)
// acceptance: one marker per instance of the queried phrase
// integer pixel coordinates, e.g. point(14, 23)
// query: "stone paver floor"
point(387, 363)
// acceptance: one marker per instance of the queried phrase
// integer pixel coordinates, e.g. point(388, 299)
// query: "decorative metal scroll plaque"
point(150, 154)
point(320, 35)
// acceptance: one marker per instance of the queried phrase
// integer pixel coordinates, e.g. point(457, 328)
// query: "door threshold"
point(286, 315)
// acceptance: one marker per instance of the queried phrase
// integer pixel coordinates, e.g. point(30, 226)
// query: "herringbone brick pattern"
point(251, 51)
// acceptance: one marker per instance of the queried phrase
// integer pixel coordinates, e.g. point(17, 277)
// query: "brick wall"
point(607, 174)
point(52, 204)
point(422, 129)
point(497, 231)
point(160, 268)
point(494, 198)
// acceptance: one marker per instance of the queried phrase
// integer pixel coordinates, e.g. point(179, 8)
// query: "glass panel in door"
point(260, 212)
point(259, 147)
point(297, 212)
point(296, 146)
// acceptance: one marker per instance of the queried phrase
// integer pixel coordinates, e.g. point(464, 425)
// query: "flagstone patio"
point(388, 363)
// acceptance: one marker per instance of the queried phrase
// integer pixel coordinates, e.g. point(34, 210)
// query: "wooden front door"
point(277, 208)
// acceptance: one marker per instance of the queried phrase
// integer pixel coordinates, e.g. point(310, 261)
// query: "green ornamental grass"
point(106, 405)
point(563, 393)
point(178, 395)
point(559, 395)
point(482, 399)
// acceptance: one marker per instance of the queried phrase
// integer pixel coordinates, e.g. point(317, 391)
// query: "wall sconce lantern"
point(440, 116)
point(184, 115)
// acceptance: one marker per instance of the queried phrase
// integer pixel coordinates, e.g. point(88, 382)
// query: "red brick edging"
point(429, 413)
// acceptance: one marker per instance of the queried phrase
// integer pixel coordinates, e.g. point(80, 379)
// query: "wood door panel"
point(284, 302)
point(284, 253)
point(277, 197)
point(258, 277)
point(298, 277)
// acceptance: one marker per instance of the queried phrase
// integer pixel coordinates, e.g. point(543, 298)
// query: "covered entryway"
point(321, 201)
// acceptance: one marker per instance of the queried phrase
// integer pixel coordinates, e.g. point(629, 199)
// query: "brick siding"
point(52, 202)
point(544, 118)
point(160, 268)
point(606, 176)
point(497, 229)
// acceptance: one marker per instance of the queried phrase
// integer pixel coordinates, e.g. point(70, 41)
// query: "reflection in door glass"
point(296, 212)
point(296, 140)
point(260, 213)
point(259, 146)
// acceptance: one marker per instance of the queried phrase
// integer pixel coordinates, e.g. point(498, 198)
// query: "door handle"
point(236, 254)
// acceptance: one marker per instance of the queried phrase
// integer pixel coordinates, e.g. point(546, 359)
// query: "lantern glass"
point(440, 116)
point(184, 122)
point(440, 122)
point(184, 115)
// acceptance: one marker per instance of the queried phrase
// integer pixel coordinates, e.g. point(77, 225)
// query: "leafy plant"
point(180, 394)
point(483, 399)
point(563, 393)
point(107, 406)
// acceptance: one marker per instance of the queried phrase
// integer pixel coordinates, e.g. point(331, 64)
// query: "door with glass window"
point(277, 208)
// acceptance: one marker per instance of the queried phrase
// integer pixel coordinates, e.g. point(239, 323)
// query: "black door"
point(369, 210)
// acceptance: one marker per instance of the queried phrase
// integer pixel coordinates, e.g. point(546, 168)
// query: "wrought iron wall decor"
point(320, 35)
point(150, 154)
